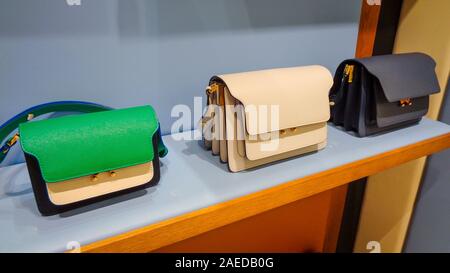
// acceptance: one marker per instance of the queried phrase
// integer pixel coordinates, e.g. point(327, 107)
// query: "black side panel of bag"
point(47, 208)
point(378, 85)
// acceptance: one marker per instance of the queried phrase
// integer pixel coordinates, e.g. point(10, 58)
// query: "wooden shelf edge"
point(188, 225)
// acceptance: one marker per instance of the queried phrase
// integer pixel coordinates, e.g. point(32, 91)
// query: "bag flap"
point(389, 113)
point(299, 93)
point(75, 146)
point(402, 76)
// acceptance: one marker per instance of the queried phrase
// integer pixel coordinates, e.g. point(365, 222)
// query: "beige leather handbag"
point(254, 118)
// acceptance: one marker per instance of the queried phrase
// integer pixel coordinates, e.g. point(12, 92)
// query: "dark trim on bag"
point(47, 208)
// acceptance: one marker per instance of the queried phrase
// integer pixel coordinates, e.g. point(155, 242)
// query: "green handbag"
point(77, 160)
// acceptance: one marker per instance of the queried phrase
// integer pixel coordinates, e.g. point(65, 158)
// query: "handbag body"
point(259, 117)
point(77, 160)
point(382, 93)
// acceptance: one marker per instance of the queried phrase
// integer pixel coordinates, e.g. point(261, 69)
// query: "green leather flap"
point(74, 146)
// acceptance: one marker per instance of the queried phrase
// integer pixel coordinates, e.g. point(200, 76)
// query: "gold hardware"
point(5, 148)
point(30, 117)
point(112, 173)
point(350, 73)
point(212, 88)
point(332, 103)
point(94, 177)
point(346, 70)
point(293, 129)
point(13, 140)
point(405, 102)
point(282, 132)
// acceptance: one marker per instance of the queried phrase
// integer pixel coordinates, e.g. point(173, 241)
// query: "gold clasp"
point(405, 102)
point(94, 177)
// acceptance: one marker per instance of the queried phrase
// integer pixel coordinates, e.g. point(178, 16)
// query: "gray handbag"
point(381, 93)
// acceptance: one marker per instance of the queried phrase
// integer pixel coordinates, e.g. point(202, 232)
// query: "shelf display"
point(382, 93)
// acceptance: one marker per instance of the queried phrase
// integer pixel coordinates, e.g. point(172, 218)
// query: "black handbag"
point(381, 93)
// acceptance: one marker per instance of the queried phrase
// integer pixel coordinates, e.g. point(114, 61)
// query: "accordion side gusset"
point(300, 96)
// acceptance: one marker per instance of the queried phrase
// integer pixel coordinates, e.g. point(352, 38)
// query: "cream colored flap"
point(277, 99)
point(82, 188)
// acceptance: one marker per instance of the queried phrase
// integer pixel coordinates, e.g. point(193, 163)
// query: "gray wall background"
point(429, 230)
point(125, 53)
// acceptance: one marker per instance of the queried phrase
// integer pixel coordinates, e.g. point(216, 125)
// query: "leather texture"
point(382, 93)
point(74, 146)
point(270, 115)
point(128, 181)
point(301, 93)
point(409, 75)
point(82, 188)
point(237, 162)
point(57, 106)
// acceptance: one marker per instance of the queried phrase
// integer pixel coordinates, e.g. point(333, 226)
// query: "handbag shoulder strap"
point(59, 106)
